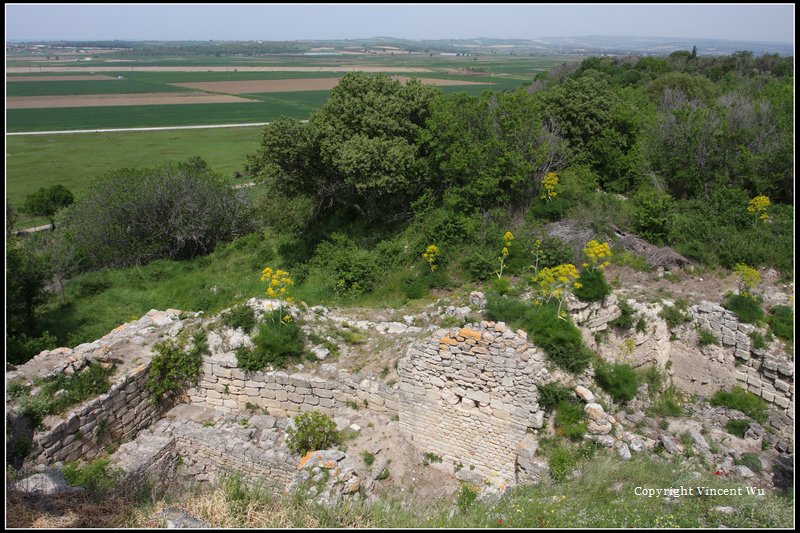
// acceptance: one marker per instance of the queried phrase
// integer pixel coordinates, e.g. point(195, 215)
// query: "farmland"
point(156, 92)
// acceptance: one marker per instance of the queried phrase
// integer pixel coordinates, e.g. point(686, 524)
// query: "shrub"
point(641, 324)
point(97, 477)
point(781, 322)
point(673, 316)
point(741, 400)
point(466, 496)
point(562, 462)
point(746, 308)
point(570, 420)
point(738, 426)
point(757, 340)
point(176, 210)
point(430, 457)
point(551, 252)
point(277, 343)
point(312, 431)
point(174, 367)
point(241, 316)
point(668, 403)
point(368, 457)
point(558, 337)
point(552, 394)
point(617, 379)
point(414, 287)
point(478, 264)
point(593, 287)
point(625, 320)
point(751, 461)
point(706, 338)
point(352, 270)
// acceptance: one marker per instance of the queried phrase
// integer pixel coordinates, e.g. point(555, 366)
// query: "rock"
point(698, 439)
point(744, 471)
point(478, 299)
point(594, 411)
point(341, 422)
point(669, 444)
point(623, 451)
point(469, 476)
point(51, 481)
point(355, 427)
point(723, 509)
point(600, 428)
point(180, 519)
point(584, 394)
point(379, 466)
point(320, 352)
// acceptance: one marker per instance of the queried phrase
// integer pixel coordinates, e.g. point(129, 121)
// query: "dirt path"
point(157, 128)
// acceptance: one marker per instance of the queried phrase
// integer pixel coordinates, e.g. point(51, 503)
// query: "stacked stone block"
point(222, 385)
point(470, 395)
point(767, 374)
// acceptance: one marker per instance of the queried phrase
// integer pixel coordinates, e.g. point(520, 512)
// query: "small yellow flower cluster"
point(749, 278)
point(758, 207)
point(277, 283)
point(507, 238)
point(549, 186)
point(554, 282)
point(596, 251)
point(431, 255)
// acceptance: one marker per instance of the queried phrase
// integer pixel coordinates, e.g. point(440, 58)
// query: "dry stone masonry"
point(470, 394)
point(765, 372)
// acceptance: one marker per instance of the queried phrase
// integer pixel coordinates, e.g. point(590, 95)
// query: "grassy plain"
point(113, 86)
point(75, 160)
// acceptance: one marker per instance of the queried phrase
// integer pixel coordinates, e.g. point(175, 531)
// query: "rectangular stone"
point(781, 385)
point(781, 401)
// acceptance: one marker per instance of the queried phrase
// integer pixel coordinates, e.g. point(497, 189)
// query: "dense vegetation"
point(383, 170)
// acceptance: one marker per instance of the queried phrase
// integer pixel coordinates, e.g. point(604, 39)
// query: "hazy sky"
point(773, 22)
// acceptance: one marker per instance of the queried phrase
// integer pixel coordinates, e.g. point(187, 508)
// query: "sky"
point(772, 23)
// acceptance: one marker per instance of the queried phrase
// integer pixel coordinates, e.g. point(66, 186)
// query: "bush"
point(559, 338)
point(97, 477)
point(241, 316)
point(562, 462)
point(277, 343)
point(741, 400)
point(751, 461)
point(466, 496)
point(570, 420)
point(617, 379)
point(673, 316)
point(593, 287)
point(173, 368)
point(351, 270)
point(176, 210)
point(706, 338)
point(781, 322)
point(746, 308)
point(668, 403)
point(757, 340)
point(312, 431)
point(625, 320)
point(478, 264)
point(738, 426)
point(552, 394)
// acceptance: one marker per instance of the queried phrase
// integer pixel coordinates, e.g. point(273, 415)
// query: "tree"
point(11, 219)
point(359, 152)
point(47, 201)
point(175, 210)
point(26, 277)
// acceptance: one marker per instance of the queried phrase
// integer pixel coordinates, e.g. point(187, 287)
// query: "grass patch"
point(618, 379)
point(594, 286)
point(91, 381)
point(552, 394)
point(97, 477)
point(558, 337)
point(277, 343)
point(174, 367)
point(746, 308)
point(751, 461)
point(738, 426)
point(668, 403)
point(781, 322)
point(741, 400)
point(241, 316)
point(673, 315)
point(570, 420)
point(706, 338)
point(625, 320)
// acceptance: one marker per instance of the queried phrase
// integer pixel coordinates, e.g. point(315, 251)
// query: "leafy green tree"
point(47, 201)
point(175, 210)
point(26, 277)
point(359, 152)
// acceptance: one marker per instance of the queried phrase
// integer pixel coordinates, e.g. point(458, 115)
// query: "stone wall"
point(120, 413)
point(470, 395)
point(765, 372)
point(222, 385)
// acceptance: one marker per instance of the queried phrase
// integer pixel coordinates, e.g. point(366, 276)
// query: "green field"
point(75, 160)
point(113, 86)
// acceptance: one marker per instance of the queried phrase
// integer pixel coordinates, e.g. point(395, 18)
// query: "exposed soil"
point(108, 100)
point(309, 84)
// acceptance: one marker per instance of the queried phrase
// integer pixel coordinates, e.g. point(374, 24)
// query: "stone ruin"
point(468, 395)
